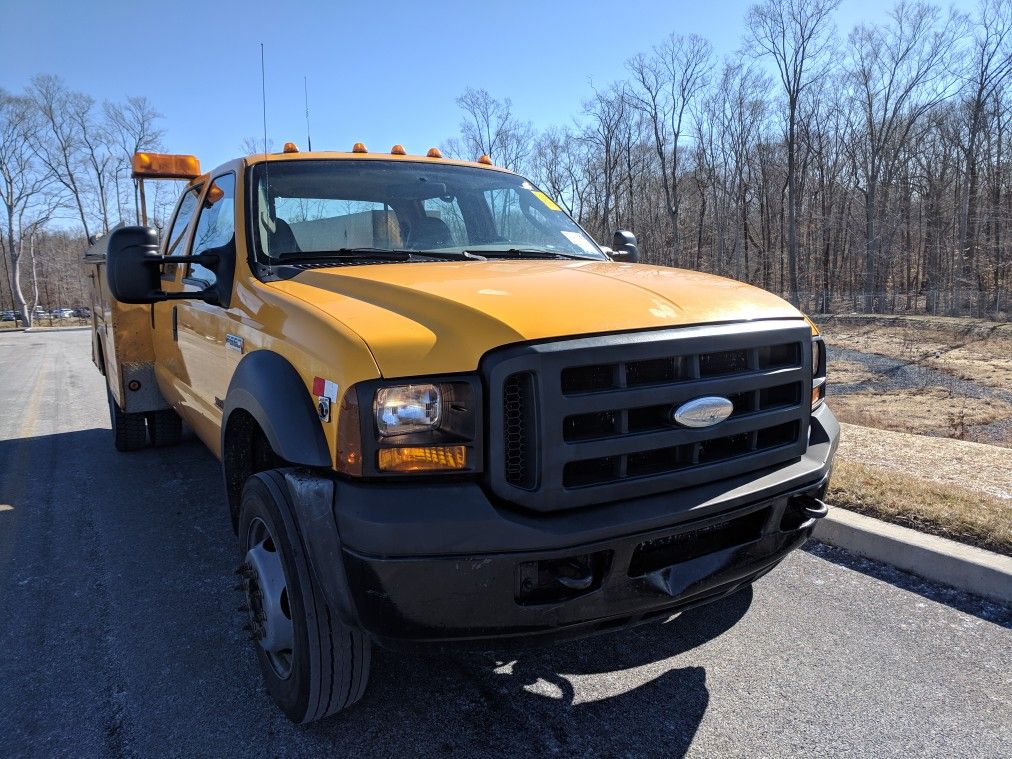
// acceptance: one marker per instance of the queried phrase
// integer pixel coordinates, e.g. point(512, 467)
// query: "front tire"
point(312, 664)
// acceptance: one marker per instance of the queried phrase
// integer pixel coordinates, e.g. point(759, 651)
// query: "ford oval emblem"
point(703, 412)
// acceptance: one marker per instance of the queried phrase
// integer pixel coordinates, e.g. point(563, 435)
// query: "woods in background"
point(866, 172)
point(870, 173)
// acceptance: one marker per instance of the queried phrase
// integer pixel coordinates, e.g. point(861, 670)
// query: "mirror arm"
point(210, 260)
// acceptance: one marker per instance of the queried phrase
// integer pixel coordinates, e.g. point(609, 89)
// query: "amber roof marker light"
point(359, 147)
point(290, 147)
point(434, 153)
point(485, 159)
point(398, 150)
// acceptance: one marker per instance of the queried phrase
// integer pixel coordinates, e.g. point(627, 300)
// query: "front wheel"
point(313, 665)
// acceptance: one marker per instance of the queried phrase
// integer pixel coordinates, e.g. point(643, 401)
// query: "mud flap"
point(313, 499)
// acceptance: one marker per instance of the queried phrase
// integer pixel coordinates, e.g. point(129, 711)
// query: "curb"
point(55, 329)
point(964, 567)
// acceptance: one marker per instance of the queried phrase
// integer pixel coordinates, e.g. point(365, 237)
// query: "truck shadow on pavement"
point(148, 535)
point(609, 695)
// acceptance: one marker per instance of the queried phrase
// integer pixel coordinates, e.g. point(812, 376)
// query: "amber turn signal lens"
point(818, 394)
point(433, 458)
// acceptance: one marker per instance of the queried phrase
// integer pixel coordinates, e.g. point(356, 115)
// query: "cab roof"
point(322, 155)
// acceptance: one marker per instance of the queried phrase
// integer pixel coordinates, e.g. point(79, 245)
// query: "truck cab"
point(446, 415)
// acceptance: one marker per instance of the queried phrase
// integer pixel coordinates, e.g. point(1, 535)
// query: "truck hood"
point(441, 317)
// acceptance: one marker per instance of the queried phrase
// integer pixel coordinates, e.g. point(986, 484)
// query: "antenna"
point(263, 92)
point(305, 90)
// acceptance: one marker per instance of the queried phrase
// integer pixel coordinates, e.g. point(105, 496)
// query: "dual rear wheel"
point(133, 431)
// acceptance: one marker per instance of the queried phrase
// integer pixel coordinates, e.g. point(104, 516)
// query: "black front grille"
point(592, 420)
point(518, 427)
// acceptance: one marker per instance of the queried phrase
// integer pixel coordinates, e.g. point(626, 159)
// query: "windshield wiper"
point(526, 253)
point(358, 253)
point(315, 256)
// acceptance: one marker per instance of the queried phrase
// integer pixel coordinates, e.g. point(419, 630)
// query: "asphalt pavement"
point(120, 635)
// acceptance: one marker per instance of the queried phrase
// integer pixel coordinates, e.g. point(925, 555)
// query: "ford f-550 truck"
point(445, 415)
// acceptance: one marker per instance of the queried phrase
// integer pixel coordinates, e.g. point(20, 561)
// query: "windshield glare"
point(309, 207)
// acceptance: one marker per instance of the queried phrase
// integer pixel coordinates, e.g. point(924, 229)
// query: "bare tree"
point(987, 71)
point(796, 35)
point(898, 73)
point(24, 190)
point(58, 142)
point(132, 126)
point(490, 128)
point(665, 84)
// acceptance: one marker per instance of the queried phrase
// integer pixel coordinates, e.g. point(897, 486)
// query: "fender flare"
point(266, 386)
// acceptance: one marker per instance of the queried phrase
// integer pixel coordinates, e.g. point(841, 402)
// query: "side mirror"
point(134, 268)
point(624, 248)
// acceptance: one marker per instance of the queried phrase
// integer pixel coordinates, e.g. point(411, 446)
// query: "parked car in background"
point(82, 312)
point(6, 316)
point(63, 313)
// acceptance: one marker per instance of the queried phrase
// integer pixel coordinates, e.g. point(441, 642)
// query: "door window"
point(215, 225)
point(179, 224)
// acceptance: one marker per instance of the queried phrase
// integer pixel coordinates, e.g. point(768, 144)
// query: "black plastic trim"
point(269, 388)
point(547, 360)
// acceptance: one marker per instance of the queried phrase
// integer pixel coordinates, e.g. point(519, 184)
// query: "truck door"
point(209, 345)
point(172, 378)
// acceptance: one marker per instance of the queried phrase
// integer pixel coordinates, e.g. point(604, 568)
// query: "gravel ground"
point(120, 635)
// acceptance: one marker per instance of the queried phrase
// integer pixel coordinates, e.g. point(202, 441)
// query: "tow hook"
point(813, 507)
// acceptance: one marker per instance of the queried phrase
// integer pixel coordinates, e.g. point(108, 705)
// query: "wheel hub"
point(270, 621)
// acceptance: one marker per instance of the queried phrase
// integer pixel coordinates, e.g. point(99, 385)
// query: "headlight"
point(431, 425)
point(404, 409)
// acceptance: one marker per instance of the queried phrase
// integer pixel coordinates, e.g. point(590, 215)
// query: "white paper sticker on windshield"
point(579, 240)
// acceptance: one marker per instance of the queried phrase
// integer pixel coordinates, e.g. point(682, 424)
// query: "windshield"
point(305, 208)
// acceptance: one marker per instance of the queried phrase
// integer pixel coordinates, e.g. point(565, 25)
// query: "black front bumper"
point(442, 563)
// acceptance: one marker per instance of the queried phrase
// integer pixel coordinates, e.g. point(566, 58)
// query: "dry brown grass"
point(970, 349)
point(936, 508)
point(922, 411)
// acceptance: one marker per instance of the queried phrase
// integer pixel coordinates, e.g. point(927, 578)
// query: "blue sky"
point(380, 72)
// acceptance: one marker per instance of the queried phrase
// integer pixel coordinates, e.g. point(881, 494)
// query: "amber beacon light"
point(165, 166)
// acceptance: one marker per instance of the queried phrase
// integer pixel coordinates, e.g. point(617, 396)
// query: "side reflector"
point(359, 147)
point(290, 147)
point(165, 166)
point(487, 160)
point(349, 437)
point(398, 150)
point(436, 458)
point(434, 153)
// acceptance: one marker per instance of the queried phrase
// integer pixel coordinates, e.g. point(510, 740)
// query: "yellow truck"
point(446, 415)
